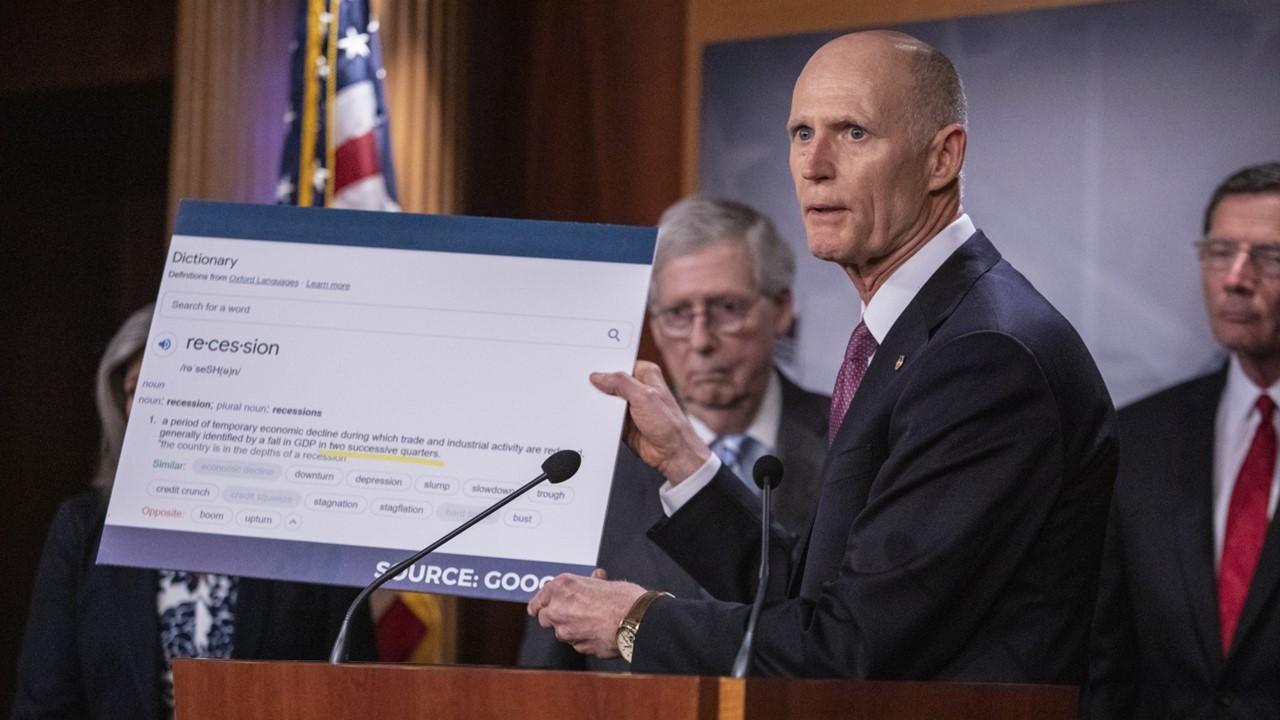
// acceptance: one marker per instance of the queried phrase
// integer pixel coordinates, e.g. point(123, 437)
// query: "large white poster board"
point(324, 392)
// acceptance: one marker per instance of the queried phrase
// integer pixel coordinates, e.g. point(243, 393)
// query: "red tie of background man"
point(1246, 523)
point(856, 356)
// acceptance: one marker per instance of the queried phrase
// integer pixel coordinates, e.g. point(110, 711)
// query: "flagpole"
point(310, 91)
point(330, 102)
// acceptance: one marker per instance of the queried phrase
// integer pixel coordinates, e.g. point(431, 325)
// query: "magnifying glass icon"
point(614, 336)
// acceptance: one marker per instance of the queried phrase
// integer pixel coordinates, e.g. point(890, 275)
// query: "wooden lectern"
point(219, 689)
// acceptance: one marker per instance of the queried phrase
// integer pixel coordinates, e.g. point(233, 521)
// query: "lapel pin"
point(901, 359)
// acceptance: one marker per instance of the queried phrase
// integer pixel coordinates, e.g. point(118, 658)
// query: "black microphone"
point(767, 473)
point(557, 468)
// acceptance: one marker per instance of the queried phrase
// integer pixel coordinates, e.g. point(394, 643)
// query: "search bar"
point(432, 322)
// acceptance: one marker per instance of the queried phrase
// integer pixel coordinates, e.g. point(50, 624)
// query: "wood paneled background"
point(572, 110)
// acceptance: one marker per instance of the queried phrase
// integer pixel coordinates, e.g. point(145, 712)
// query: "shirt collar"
point(904, 284)
point(1240, 394)
point(764, 427)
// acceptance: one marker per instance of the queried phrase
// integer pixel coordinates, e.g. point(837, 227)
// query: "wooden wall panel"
point(230, 94)
point(423, 46)
point(82, 211)
point(604, 109)
point(62, 45)
point(573, 114)
point(84, 141)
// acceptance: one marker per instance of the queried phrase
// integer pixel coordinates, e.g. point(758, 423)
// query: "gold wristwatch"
point(631, 622)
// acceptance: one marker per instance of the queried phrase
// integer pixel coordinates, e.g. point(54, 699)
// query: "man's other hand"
point(585, 611)
point(658, 430)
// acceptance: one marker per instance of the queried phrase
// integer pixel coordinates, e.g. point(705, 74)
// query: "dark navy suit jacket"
point(961, 516)
point(92, 642)
point(627, 553)
point(1157, 646)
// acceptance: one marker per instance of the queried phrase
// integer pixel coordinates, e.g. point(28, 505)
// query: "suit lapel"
point(931, 306)
point(1192, 533)
point(802, 441)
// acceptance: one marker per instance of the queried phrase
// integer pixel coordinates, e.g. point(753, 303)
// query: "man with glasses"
point(719, 301)
point(1188, 620)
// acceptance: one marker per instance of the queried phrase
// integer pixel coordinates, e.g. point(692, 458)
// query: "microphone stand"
point(338, 655)
point(761, 473)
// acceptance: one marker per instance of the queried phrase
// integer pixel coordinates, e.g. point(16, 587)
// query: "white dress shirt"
point(897, 292)
point(1235, 426)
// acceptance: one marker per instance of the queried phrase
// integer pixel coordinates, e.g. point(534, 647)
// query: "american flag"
point(337, 151)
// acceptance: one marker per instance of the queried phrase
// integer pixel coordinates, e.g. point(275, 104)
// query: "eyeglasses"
point(1219, 254)
point(726, 315)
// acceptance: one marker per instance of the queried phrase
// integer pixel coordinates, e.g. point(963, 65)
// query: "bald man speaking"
point(972, 443)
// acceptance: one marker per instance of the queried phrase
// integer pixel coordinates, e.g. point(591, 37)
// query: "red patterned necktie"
point(856, 356)
point(1246, 523)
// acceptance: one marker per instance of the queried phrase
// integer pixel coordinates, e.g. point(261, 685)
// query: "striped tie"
point(738, 453)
